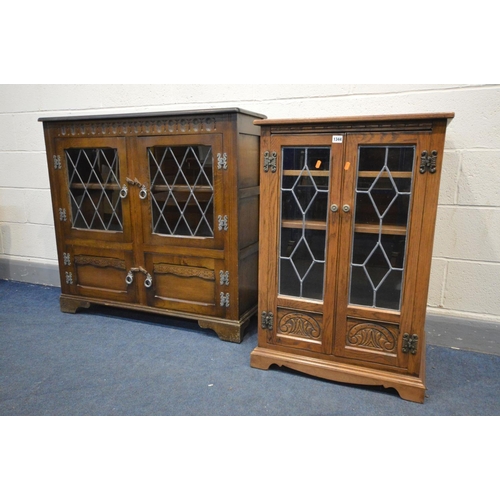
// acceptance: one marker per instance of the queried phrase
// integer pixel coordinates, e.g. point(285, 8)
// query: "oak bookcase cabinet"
point(348, 209)
point(158, 213)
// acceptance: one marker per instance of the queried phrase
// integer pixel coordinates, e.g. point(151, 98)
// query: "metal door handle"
point(143, 193)
point(148, 282)
point(129, 278)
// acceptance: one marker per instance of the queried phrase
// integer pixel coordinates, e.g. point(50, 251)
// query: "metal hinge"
point(267, 320)
point(222, 161)
point(428, 162)
point(223, 222)
point(67, 259)
point(62, 214)
point(57, 162)
point(224, 277)
point(410, 343)
point(270, 161)
point(224, 299)
point(69, 278)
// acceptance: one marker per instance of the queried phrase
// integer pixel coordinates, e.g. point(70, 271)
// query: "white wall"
point(466, 263)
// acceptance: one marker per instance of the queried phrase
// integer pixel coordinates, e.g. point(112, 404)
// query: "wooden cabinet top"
point(380, 122)
point(153, 115)
point(206, 121)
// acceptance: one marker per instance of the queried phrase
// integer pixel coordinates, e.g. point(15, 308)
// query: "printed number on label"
point(337, 138)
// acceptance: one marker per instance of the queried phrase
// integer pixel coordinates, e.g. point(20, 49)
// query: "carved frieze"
point(353, 127)
point(151, 126)
point(185, 271)
point(89, 260)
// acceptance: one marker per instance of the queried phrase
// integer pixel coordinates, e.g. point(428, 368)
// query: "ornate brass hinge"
point(222, 161)
point(267, 321)
point(428, 162)
point(57, 162)
point(67, 259)
point(224, 299)
point(270, 161)
point(223, 222)
point(410, 343)
point(224, 277)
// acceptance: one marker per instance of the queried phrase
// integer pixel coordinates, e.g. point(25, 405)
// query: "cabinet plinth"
point(346, 246)
point(158, 212)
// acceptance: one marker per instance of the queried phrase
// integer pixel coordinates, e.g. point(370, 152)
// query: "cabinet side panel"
point(248, 215)
point(248, 161)
point(248, 221)
point(426, 246)
point(54, 176)
point(248, 270)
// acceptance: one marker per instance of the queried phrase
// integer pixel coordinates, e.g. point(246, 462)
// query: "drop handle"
point(143, 193)
point(148, 282)
point(129, 279)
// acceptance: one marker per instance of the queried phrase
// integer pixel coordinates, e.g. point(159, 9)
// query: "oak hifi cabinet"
point(158, 212)
point(348, 210)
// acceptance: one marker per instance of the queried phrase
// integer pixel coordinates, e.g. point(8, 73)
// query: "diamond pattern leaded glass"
point(381, 222)
point(304, 197)
point(182, 191)
point(94, 188)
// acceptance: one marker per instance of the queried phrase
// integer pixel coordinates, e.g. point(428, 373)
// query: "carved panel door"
point(185, 221)
point(298, 272)
point(93, 212)
point(381, 226)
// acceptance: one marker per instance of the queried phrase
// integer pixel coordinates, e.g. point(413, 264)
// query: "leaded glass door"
point(307, 176)
point(181, 182)
point(94, 198)
point(381, 183)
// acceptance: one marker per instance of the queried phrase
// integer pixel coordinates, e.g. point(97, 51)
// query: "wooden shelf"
point(95, 186)
point(312, 173)
point(358, 228)
point(182, 189)
point(375, 228)
point(297, 224)
point(395, 175)
point(369, 174)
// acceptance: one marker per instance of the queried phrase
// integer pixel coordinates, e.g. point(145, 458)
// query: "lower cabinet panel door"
point(185, 284)
point(299, 329)
point(99, 273)
point(372, 341)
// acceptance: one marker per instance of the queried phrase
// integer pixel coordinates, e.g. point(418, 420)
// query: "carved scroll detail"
point(151, 125)
point(88, 260)
point(371, 336)
point(299, 325)
point(185, 272)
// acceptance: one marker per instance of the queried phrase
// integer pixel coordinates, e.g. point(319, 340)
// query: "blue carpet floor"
point(111, 362)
